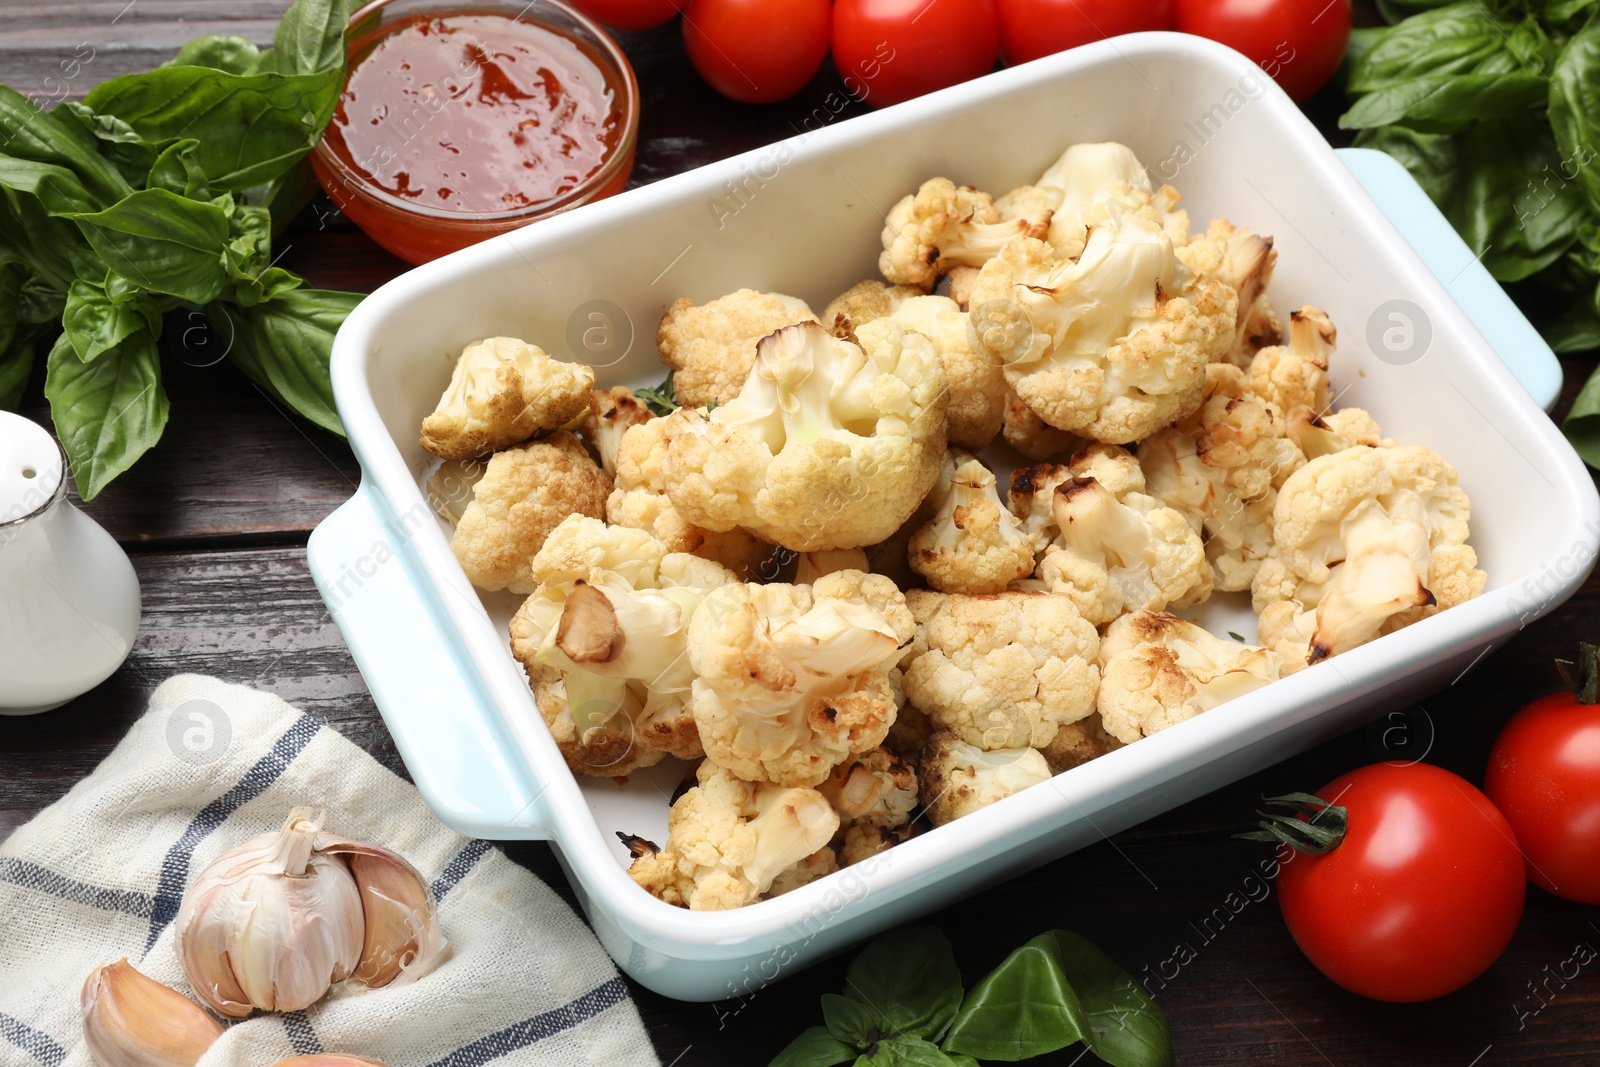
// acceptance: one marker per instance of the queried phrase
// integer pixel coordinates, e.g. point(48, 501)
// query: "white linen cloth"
point(99, 875)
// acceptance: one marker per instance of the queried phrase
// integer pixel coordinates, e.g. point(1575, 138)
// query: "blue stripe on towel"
point(32, 1041)
point(175, 867)
point(459, 867)
point(302, 1035)
point(532, 1031)
point(43, 880)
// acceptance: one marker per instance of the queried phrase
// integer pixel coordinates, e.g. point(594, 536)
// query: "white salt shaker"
point(69, 599)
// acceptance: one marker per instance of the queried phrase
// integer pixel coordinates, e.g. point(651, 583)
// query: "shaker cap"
point(33, 471)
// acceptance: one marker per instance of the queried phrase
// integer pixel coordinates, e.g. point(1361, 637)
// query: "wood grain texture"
point(217, 516)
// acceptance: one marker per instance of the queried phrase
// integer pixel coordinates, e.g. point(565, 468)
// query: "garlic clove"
point(401, 933)
point(130, 1020)
point(329, 1059)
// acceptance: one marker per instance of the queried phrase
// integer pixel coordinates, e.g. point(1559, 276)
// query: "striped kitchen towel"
point(100, 873)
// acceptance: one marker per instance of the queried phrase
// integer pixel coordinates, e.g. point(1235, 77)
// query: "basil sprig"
point(159, 193)
point(1494, 107)
point(904, 1006)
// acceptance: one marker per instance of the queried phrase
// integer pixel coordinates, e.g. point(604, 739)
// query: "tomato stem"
point(1307, 823)
point(1587, 686)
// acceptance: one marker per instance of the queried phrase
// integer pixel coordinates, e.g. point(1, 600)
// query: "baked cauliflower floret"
point(809, 566)
point(502, 392)
point(640, 501)
point(1159, 670)
point(792, 680)
point(711, 346)
point(1242, 260)
point(1077, 743)
point(612, 412)
point(972, 544)
point(875, 794)
point(863, 302)
point(828, 445)
point(1112, 345)
point(728, 841)
point(1091, 183)
point(1218, 467)
point(1031, 436)
point(605, 648)
point(1033, 489)
point(1323, 435)
point(1001, 671)
point(1365, 541)
point(525, 492)
point(1296, 374)
point(1113, 555)
point(957, 779)
point(944, 225)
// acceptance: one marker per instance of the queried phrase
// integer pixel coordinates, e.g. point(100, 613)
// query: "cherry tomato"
point(1299, 43)
point(629, 14)
point(1422, 894)
point(893, 50)
point(1544, 773)
point(757, 51)
point(1033, 28)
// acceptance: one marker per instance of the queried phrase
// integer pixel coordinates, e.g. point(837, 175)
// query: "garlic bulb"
point(133, 1021)
point(276, 921)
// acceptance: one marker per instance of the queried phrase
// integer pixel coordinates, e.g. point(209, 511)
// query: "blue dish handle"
point(1430, 234)
point(443, 721)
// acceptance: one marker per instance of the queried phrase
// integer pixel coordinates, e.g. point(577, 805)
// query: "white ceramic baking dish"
point(803, 217)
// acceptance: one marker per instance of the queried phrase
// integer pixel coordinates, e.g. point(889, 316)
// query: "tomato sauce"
point(475, 113)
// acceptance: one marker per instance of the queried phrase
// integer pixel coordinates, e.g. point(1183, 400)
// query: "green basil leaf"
point(1582, 424)
point(1512, 205)
point(286, 195)
point(1398, 10)
point(118, 142)
point(1457, 39)
point(32, 136)
point(909, 980)
point(107, 413)
point(849, 1020)
point(56, 189)
point(162, 242)
point(236, 55)
point(99, 317)
point(16, 366)
point(1574, 105)
point(1431, 158)
point(1056, 990)
point(38, 303)
point(250, 127)
point(1446, 101)
point(51, 244)
point(908, 1051)
point(284, 343)
point(177, 170)
point(1557, 12)
point(310, 37)
point(815, 1048)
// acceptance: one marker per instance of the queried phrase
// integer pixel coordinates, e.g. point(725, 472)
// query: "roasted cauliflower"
point(972, 544)
point(1296, 374)
point(792, 680)
point(612, 412)
point(875, 795)
point(1077, 743)
point(711, 346)
point(1091, 184)
point(957, 779)
point(524, 493)
point(1112, 345)
point(1159, 670)
point(1001, 671)
point(1030, 435)
point(1323, 435)
point(503, 391)
point(729, 841)
point(828, 445)
point(1242, 260)
point(943, 225)
point(1365, 541)
point(603, 639)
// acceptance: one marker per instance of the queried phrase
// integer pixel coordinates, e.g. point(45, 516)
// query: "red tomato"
point(629, 14)
point(1544, 773)
point(757, 51)
point(893, 50)
point(1033, 28)
point(1299, 43)
point(1421, 895)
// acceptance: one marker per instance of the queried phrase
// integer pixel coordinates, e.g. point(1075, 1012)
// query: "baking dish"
point(1356, 237)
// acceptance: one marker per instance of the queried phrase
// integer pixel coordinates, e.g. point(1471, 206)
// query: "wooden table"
point(216, 520)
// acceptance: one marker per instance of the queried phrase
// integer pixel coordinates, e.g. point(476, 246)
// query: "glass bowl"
point(418, 233)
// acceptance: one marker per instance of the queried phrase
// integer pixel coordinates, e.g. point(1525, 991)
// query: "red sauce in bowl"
point(456, 125)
